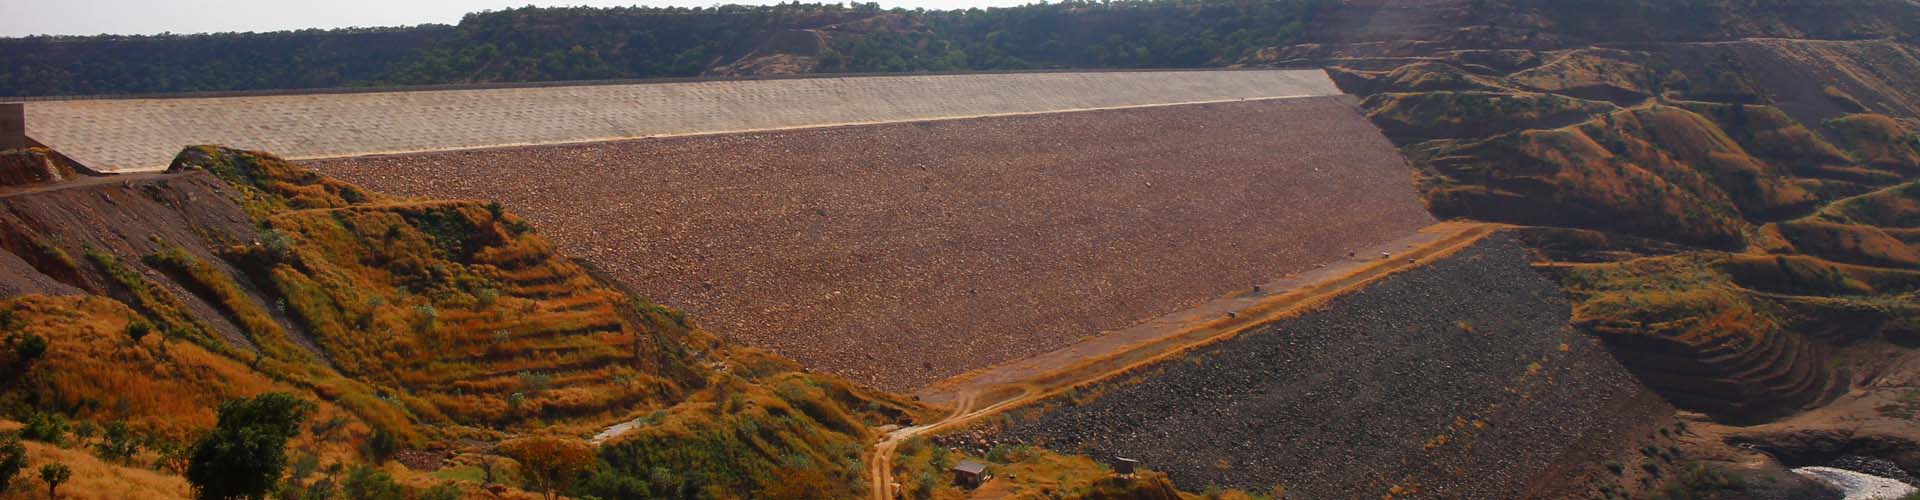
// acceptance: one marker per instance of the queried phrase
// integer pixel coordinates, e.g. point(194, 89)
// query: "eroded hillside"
point(1726, 195)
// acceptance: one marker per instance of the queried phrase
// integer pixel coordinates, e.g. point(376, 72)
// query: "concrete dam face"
point(974, 221)
point(122, 135)
point(897, 230)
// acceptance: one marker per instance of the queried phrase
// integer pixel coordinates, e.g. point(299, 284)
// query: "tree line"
point(579, 43)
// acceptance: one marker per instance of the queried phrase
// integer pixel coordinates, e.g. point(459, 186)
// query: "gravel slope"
point(901, 254)
point(1427, 380)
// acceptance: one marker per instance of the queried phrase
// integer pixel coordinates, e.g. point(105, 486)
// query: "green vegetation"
point(1697, 481)
point(156, 302)
point(245, 454)
point(13, 458)
point(53, 474)
point(546, 44)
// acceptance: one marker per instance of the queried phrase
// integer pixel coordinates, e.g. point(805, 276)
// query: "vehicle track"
point(999, 397)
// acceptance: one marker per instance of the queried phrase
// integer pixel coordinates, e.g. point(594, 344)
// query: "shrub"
point(426, 318)
point(29, 348)
point(13, 458)
point(450, 491)
point(381, 445)
point(245, 453)
point(85, 429)
point(46, 427)
point(534, 382)
point(278, 244)
point(606, 482)
point(366, 482)
point(138, 330)
point(550, 463)
point(119, 444)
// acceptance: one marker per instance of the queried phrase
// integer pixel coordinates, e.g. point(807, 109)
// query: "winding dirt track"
point(1013, 387)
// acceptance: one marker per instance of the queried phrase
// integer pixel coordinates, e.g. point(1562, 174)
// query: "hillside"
point(1720, 190)
point(440, 334)
point(1723, 192)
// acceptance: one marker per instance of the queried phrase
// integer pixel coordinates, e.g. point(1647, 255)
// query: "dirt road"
point(994, 390)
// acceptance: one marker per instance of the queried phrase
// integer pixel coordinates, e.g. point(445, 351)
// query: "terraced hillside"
point(901, 254)
point(434, 329)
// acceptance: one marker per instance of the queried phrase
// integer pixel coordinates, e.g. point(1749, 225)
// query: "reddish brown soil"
point(900, 254)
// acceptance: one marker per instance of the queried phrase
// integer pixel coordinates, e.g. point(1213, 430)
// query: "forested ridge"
point(578, 43)
point(533, 44)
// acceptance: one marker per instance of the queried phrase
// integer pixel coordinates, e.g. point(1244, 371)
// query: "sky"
point(145, 17)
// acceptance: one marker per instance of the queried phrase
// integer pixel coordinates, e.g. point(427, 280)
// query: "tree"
point(550, 463)
point(367, 482)
point(245, 453)
point(13, 458)
point(119, 444)
point(54, 474)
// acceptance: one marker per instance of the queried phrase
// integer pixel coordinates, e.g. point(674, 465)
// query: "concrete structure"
point(144, 134)
point(971, 474)
point(13, 126)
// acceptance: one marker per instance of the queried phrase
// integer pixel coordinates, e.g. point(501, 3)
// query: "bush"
point(13, 458)
point(366, 482)
point(46, 427)
point(119, 444)
point(139, 330)
point(29, 348)
point(453, 491)
point(245, 453)
point(550, 463)
point(380, 445)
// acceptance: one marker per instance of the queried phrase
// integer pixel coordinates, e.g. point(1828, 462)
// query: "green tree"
point(46, 427)
point(245, 453)
point(119, 444)
point(366, 482)
point(13, 458)
point(54, 474)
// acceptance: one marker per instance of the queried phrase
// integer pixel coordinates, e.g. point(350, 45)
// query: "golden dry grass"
point(94, 479)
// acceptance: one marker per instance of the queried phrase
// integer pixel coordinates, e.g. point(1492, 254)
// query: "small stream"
point(1858, 485)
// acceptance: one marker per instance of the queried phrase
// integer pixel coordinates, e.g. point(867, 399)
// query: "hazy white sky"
point(93, 17)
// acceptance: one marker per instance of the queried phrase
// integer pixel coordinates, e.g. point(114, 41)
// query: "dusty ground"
point(900, 254)
point(1459, 379)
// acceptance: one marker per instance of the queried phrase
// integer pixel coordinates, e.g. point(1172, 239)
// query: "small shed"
point(1124, 466)
point(971, 474)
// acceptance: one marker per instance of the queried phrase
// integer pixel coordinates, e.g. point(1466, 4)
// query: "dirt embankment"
point(901, 254)
point(1456, 380)
point(71, 238)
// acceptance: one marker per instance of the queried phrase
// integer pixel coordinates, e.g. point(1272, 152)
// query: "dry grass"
point(94, 479)
point(1879, 142)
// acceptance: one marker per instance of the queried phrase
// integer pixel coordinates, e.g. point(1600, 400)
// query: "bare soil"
point(901, 254)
